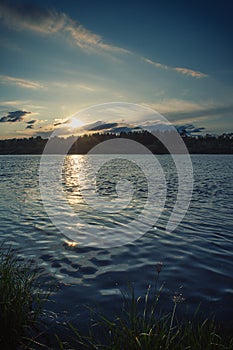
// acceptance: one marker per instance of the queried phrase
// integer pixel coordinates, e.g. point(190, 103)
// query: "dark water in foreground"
point(197, 256)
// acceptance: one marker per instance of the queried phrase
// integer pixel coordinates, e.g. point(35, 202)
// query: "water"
point(197, 256)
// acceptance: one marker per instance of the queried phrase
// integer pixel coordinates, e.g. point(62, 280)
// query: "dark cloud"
point(103, 126)
point(61, 123)
point(120, 129)
point(32, 122)
point(12, 117)
point(188, 129)
point(30, 126)
point(116, 128)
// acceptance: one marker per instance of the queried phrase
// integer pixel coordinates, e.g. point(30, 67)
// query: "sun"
point(75, 123)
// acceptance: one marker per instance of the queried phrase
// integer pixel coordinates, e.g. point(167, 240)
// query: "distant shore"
point(207, 144)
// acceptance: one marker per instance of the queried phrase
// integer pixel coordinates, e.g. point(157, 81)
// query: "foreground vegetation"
point(21, 301)
point(140, 324)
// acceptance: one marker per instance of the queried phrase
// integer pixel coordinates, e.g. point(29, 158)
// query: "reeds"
point(142, 326)
point(21, 300)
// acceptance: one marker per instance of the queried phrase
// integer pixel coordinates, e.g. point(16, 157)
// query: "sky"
point(60, 57)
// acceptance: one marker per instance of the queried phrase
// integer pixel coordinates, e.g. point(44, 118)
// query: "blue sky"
point(58, 57)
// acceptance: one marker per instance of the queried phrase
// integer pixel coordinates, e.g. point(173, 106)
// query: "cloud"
point(170, 106)
point(61, 122)
point(12, 103)
point(125, 118)
point(30, 126)
point(156, 64)
point(184, 71)
point(118, 112)
point(12, 117)
point(184, 111)
point(45, 21)
point(23, 83)
point(190, 72)
point(88, 40)
point(117, 128)
point(107, 127)
point(204, 111)
point(103, 126)
point(33, 18)
point(32, 122)
point(188, 129)
point(74, 85)
point(19, 104)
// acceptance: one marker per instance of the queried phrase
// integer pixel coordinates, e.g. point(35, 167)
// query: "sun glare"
point(71, 243)
point(75, 123)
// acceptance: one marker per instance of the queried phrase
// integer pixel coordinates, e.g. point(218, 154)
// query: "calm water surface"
point(197, 256)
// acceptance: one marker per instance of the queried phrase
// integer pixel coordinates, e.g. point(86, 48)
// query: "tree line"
point(201, 144)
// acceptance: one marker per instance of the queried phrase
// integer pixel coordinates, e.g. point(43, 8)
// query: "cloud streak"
point(12, 117)
point(184, 71)
point(44, 21)
point(198, 113)
point(22, 83)
point(180, 111)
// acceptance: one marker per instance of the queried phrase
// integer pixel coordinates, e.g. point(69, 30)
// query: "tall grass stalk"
point(21, 301)
point(142, 326)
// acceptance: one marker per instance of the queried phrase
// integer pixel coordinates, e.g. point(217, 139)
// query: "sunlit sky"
point(58, 57)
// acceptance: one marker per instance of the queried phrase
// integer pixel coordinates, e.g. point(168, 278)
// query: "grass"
point(142, 326)
point(21, 301)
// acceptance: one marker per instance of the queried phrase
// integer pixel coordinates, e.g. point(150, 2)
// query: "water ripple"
point(197, 256)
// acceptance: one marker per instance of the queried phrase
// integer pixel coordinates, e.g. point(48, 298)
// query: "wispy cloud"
point(12, 117)
point(44, 21)
point(156, 64)
point(190, 72)
point(211, 111)
point(73, 85)
point(33, 18)
point(181, 70)
point(23, 83)
point(88, 40)
point(12, 103)
point(180, 111)
point(176, 106)
point(27, 104)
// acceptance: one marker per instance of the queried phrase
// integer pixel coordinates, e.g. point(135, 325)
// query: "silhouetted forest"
point(207, 144)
